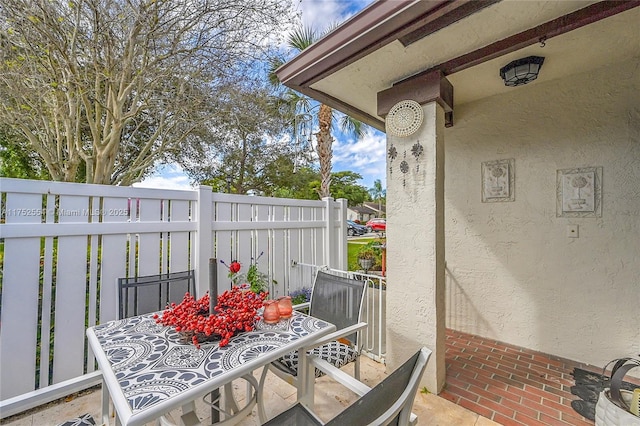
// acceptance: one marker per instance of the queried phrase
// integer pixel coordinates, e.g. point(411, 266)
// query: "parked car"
point(355, 229)
point(377, 225)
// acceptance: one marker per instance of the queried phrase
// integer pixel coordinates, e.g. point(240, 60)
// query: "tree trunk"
point(325, 152)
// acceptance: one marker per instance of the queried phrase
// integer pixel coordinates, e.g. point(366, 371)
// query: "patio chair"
point(338, 300)
point(389, 402)
point(151, 293)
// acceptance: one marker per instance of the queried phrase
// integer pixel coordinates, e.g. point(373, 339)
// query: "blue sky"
point(365, 156)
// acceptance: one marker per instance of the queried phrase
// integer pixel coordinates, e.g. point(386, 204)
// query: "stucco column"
point(415, 246)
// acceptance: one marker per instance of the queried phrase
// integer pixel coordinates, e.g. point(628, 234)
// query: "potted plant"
point(366, 257)
point(258, 281)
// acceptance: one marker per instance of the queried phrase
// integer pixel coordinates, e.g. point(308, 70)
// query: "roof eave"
point(378, 25)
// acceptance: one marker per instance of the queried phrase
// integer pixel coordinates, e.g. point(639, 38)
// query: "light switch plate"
point(572, 231)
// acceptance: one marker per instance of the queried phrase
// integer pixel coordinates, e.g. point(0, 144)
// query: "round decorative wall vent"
point(404, 118)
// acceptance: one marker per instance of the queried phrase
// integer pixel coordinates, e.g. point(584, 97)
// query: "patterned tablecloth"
point(149, 371)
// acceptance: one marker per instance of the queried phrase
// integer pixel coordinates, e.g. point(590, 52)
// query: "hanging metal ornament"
point(416, 151)
point(392, 153)
point(404, 168)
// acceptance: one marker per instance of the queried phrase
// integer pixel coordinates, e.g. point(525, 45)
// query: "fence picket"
point(59, 267)
point(19, 307)
point(70, 292)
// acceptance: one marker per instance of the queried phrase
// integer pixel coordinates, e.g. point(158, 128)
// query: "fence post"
point(329, 235)
point(341, 237)
point(203, 244)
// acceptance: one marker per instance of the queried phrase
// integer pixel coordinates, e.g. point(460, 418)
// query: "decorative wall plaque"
point(579, 192)
point(404, 118)
point(498, 181)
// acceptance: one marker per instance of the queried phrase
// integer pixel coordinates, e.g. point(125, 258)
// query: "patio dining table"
point(149, 372)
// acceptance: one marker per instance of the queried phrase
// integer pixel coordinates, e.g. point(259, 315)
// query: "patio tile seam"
point(462, 393)
point(529, 421)
point(499, 372)
point(540, 382)
point(520, 408)
point(508, 397)
point(483, 393)
point(457, 382)
point(506, 421)
point(541, 408)
point(525, 395)
point(475, 407)
point(542, 394)
point(559, 392)
point(497, 408)
point(576, 420)
point(552, 420)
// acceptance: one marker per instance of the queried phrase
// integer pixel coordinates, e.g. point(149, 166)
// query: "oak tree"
point(115, 86)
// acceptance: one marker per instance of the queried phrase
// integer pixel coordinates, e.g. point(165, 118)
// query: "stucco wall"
point(512, 273)
point(415, 305)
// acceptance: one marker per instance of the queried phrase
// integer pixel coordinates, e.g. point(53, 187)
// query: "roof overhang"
point(398, 43)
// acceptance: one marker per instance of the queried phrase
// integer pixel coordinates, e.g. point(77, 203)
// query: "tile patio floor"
point(510, 385)
point(330, 399)
point(488, 383)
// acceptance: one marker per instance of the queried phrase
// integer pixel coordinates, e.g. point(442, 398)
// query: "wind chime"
point(302, 133)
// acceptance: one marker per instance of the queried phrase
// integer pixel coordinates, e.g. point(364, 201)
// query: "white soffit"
point(610, 40)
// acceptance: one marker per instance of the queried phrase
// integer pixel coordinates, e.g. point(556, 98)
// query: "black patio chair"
point(151, 293)
point(338, 300)
point(387, 403)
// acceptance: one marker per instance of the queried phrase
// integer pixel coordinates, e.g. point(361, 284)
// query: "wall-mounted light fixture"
point(521, 71)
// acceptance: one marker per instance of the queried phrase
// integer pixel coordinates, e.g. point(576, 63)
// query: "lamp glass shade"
point(521, 71)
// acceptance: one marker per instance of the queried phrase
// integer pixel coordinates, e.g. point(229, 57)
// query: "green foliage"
point(364, 249)
point(245, 146)
point(17, 160)
point(107, 90)
point(258, 281)
point(323, 116)
point(343, 185)
point(378, 193)
point(366, 252)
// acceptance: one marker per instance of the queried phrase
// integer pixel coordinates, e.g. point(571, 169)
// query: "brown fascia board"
point(378, 25)
point(372, 28)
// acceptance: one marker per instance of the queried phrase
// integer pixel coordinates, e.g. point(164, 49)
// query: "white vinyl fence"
point(63, 245)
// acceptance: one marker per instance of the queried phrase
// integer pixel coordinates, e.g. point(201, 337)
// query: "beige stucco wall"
point(512, 273)
point(415, 305)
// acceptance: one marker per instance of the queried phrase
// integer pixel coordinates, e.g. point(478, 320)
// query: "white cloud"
point(169, 176)
point(322, 13)
point(366, 156)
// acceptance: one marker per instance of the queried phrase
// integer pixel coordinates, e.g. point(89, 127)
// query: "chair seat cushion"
point(82, 420)
point(335, 353)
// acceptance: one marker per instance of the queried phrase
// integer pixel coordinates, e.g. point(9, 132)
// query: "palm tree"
point(377, 192)
point(296, 104)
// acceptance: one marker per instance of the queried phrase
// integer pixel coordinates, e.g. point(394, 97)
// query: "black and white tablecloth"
point(151, 364)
